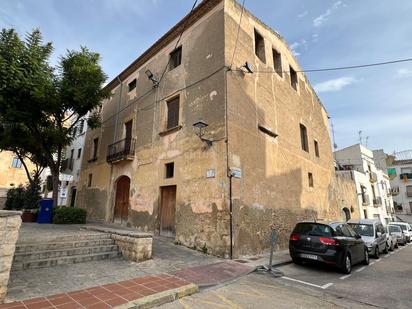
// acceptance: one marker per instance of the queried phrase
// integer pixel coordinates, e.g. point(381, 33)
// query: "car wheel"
point(366, 260)
point(347, 264)
point(296, 260)
point(392, 246)
point(386, 250)
point(396, 245)
point(376, 255)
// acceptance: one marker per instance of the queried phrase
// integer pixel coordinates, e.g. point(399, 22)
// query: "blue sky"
point(323, 33)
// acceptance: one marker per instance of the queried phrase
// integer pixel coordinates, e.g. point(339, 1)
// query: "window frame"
point(258, 38)
point(172, 122)
point(132, 85)
point(169, 170)
point(304, 141)
point(311, 180)
point(16, 163)
point(316, 145)
point(277, 62)
point(175, 58)
point(294, 80)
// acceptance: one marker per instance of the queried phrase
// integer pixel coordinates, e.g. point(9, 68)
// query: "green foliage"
point(69, 215)
point(204, 249)
point(23, 197)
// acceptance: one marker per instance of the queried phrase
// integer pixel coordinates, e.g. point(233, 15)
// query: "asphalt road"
point(385, 283)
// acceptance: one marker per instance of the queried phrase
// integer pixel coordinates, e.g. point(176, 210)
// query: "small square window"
point(89, 180)
point(170, 170)
point(316, 144)
point(277, 62)
point(310, 179)
point(293, 78)
point(175, 58)
point(16, 163)
point(260, 47)
point(132, 85)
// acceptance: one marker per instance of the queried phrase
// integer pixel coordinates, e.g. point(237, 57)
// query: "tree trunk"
point(55, 177)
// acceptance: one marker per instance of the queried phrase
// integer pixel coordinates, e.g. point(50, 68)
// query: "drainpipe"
point(229, 172)
point(118, 109)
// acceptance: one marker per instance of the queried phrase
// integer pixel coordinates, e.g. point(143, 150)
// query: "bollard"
point(268, 269)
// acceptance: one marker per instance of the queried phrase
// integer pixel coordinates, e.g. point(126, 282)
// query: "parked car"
point(396, 231)
point(373, 234)
point(391, 239)
point(334, 244)
point(406, 229)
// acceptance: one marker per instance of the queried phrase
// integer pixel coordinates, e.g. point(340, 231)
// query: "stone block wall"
point(10, 222)
point(134, 249)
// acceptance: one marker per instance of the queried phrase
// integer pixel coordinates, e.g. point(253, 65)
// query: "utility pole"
point(360, 137)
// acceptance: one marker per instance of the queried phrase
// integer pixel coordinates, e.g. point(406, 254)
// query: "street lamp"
point(151, 77)
point(200, 125)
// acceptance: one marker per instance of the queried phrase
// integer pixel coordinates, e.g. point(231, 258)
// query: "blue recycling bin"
point(45, 214)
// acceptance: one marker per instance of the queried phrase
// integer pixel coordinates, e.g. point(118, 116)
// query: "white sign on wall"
point(210, 173)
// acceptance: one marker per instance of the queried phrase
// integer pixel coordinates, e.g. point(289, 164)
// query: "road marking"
point(371, 263)
point(308, 283)
point(344, 277)
point(386, 256)
point(391, 253)
point(360, 269)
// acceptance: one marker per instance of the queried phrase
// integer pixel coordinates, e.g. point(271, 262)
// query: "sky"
point(322, 34)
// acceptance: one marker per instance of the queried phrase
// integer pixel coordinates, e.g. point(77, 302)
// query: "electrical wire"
point(237, 35)
point(338, 68)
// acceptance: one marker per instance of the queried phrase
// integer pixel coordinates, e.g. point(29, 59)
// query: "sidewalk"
point(281, 257)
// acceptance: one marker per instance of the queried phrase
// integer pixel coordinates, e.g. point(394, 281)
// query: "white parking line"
point(371, 263)
point(360, 269)
point(386, 256)
point(345, 276)
point(308, 283)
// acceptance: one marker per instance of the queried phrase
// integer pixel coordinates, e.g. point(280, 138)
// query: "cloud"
point(404, 73)
point(318, 21)
point(335, 84)
point(303, 14)
point(298, 44)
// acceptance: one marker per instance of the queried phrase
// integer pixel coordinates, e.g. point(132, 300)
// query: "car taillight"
point(328, 241)
point(294, 237)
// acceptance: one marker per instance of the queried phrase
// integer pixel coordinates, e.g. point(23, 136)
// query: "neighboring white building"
point(372, 183)
point(70, 169)
point(399, 167)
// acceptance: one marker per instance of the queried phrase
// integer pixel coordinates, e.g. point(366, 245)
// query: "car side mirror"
point(358, 236)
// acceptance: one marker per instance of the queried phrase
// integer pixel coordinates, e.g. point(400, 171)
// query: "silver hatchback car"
point(373, 234)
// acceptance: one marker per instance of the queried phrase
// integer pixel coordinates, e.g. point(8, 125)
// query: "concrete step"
point(49, 254)
point(60, 245)
point(64, 238)
point(65, 260)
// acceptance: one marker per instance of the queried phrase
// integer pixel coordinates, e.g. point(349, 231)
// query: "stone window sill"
point(171, 130)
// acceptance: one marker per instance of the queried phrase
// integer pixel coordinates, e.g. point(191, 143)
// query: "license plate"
point(309, 256)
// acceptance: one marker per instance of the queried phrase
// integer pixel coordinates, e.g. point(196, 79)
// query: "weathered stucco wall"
point(10, 222)
point(10, 176)
point(201, 211)
point(274, 189)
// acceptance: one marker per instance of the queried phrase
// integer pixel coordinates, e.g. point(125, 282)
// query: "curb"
point(161, 298)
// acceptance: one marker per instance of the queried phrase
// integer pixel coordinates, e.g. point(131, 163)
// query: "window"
point(304, 138)
point(310, 179)
point(81, 126)
point(74, 131)
point(132, 85)
point(365, 213)
point(175, 58)
point(293, 78)
point(260, 47)
point(316, 148)
point(277, 62)
point(16, 163)
point(170, 170)
point(79, 153)
point(406, 170)
point(172, 113)
point(409, 191)
point(89, 180)
point(95, 148)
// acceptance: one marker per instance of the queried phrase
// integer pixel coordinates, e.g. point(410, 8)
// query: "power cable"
point(338, 68)
point(237, 35)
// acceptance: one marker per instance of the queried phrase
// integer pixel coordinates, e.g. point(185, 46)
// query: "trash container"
point(45, 214)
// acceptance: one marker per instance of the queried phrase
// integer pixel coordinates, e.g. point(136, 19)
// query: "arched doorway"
point(121, 206)
point(346, 213)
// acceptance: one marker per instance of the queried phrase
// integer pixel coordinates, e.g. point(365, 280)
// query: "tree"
point(40, 105)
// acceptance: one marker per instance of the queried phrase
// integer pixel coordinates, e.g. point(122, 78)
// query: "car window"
point(339, 231)
point(351, 231)
point(403, 227)
point(313, 229)
point(379, 228)
point(345, 231)
point(394, 228)
point(363, 229)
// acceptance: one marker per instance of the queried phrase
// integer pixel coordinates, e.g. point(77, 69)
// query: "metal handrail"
point(121, 150)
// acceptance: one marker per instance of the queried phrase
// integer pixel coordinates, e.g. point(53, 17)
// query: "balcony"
point(395, 191)
point(365, 200)
point(373, 177)
point(122, 150)
point(67, 164)
point(406, 176)
point(377, 201)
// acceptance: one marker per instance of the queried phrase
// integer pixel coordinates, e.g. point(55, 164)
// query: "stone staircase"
point(64, 249)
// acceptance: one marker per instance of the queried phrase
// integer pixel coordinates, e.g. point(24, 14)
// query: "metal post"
point(272, 248)
point(269, 269)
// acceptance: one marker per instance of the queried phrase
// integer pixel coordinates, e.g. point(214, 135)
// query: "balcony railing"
point(373, 177)
point(365, 200)
point(67, 164)
point(406, 176)
point(395, 191)
point(121, 150)
point(377, 201)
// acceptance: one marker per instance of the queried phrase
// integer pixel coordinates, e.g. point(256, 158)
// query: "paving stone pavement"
point(167, 257)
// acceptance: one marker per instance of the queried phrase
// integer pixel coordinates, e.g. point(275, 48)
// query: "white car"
point(406, 229)
point(391, 238)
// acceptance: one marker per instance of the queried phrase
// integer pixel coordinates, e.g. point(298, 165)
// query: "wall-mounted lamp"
point(200, 125)
point(247, 68)
point(151, 77)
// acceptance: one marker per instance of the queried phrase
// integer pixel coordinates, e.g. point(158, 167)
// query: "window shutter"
point(173, 113)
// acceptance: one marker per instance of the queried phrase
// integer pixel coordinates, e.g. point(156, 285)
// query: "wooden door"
point(121, 208)
point(73, 198)
point(168, 211)
point(128, 140)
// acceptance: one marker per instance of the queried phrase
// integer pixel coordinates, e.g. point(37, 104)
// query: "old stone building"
point(259, 155)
